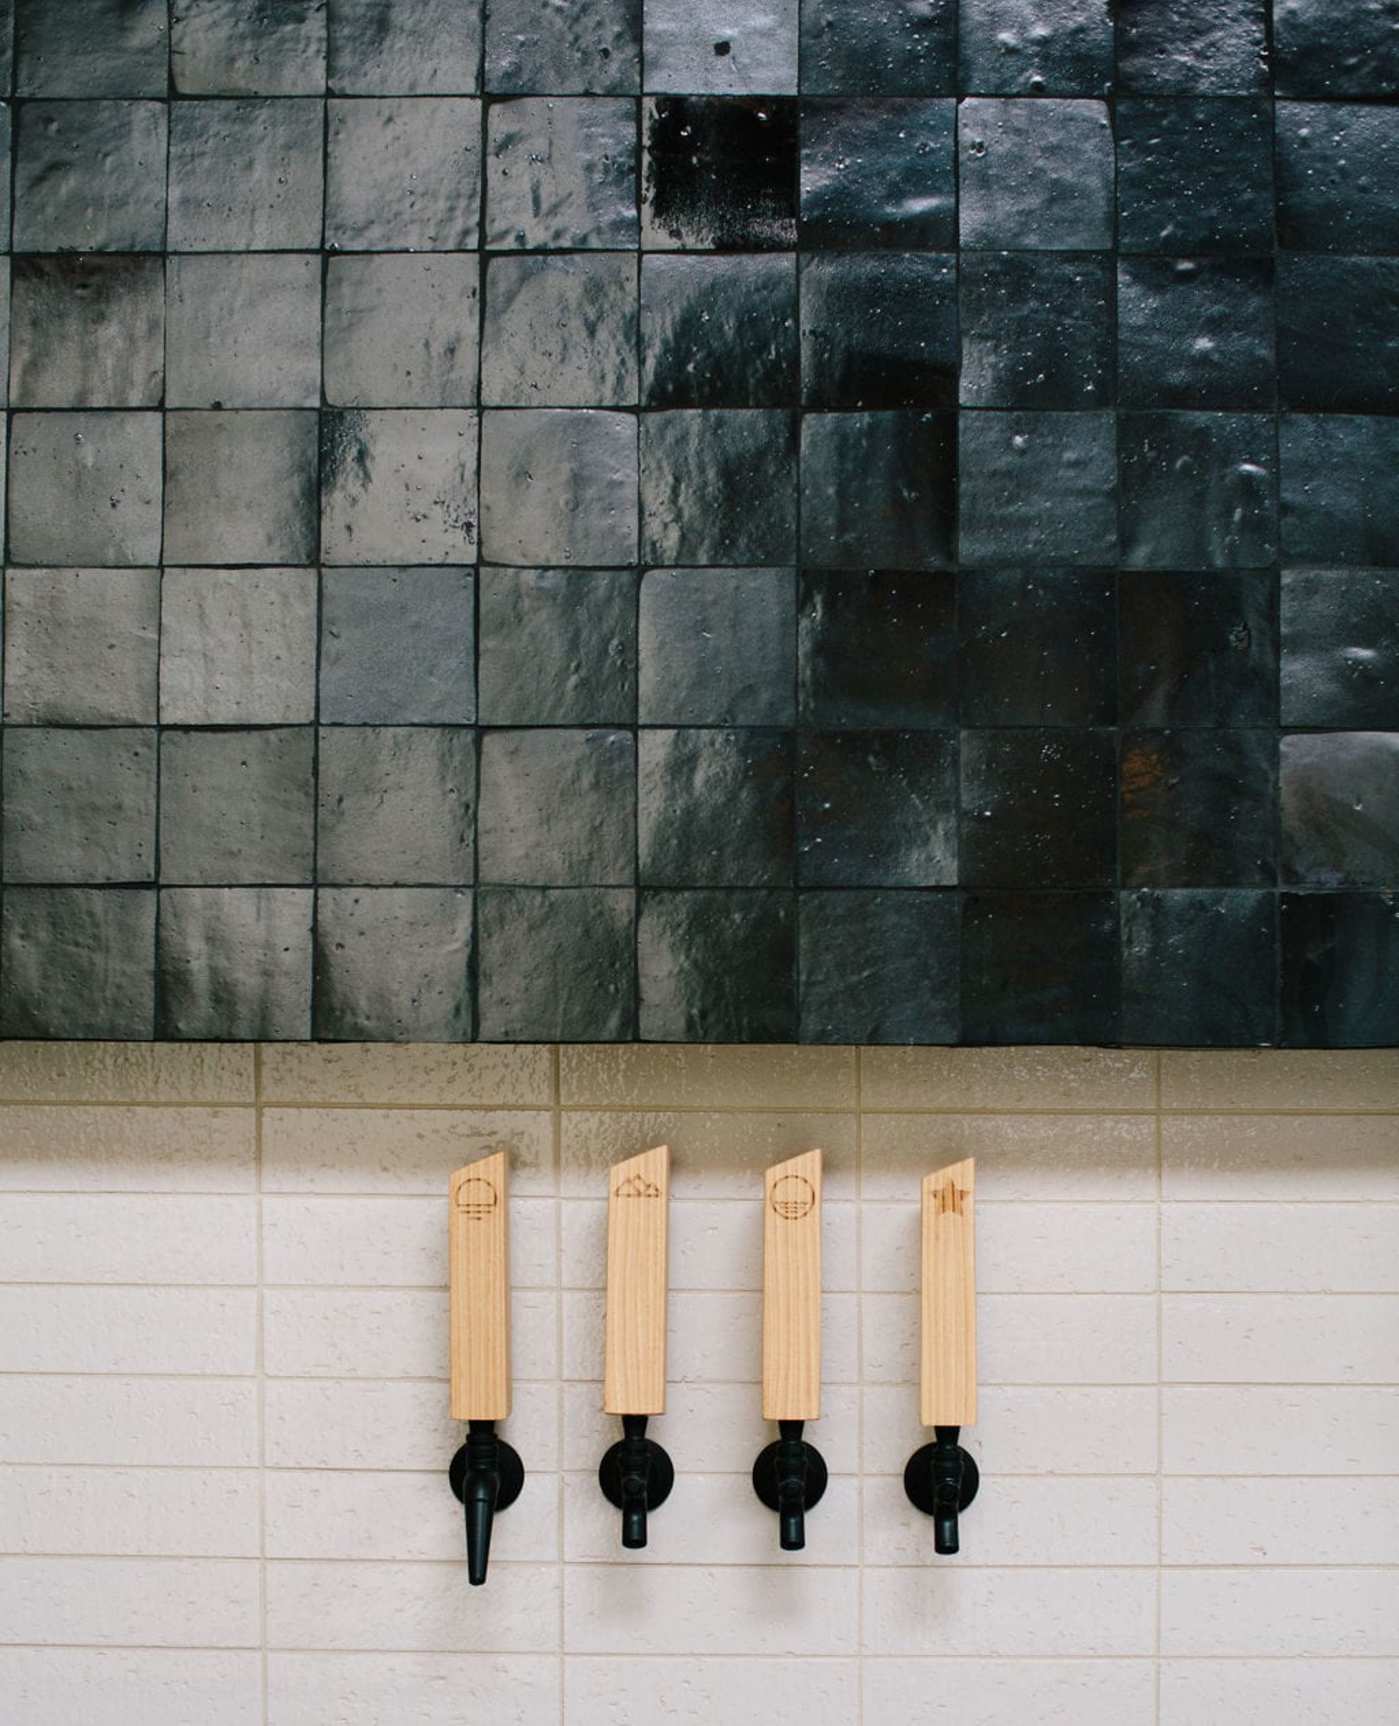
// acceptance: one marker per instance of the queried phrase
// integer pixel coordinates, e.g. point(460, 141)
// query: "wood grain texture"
point(638, 1201)
point(479, 1274)
point(948, 1378)
point(792, 1289)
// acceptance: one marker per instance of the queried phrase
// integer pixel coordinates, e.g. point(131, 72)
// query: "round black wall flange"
point(765, 1475)
point(918, 1478)
point(508, 1465)
point(660, 1476)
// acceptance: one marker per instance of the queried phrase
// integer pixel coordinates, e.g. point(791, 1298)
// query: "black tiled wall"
point(868, 520)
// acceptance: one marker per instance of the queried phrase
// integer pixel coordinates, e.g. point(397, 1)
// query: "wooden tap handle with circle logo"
point(792, 1289)
point(479, 1277)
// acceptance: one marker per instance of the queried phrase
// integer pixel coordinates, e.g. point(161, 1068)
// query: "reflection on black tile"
point(556, 964)
point(713, 47)
point(557, 809)
point(878, 173)
point(1198, 650)
point(412, 48)
point(78, 962)
point(1038, 805)
point(879, 967)
point(1199, 967)
point(719, 487)
point(1180, 48)
point(560, 331)
point(1340, 648)
point(1340, 489)
point(558, 647)
point(717, 647)
point(879, 330)
point(244, 332)
point(81, 646)
point(403, 173)
point(1038, 648)
point(237, 807)
point(535, 46)
point(1195, 333)
point(397, 647)
point(246, 175)
point(1038, 488)
point(90, 177)
point(561, 172)
point(1199, 490)
point(719, 173)
point(1340, 970)
point(1194, 175)
point(1036, 330)
point(1340, 809)
point(558, 486)
point(1336, 163)
point(715, 808)
point(879, 47)
point(248, 50)
point(717, 966)
point(401, 330)
point(396, 805)
point(877, 809)
point(1040, 968)
point(392, 964)
point(103, 48)
point(79, 806)
point(878, 489)
point(398, 486)
point(87, 332)
point(1034, 48)
point(1035, 175)
point(240, 487)
point(1335, 48)
point(235, 962)
point(1199, 809)
point(877, 650)
point(719, 331)
point(85, 488)
point(1338, 334)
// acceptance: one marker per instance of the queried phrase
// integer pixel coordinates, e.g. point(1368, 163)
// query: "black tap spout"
point(941, 1480)
point(636, 1475)
point(486, 1475)
point(790, 1477)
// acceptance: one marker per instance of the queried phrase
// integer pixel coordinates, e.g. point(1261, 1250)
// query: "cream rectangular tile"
point(116, 1686)
point(426, 1689)
point(713, 1154)
point(169, 1422)
point(1255, 1612)
point(136, 1512)
point(1264, 1692)
point(1233, 1521)
point(1045, 1158)
point(403, 1608)
point(123, 1238)
point(1292, 1247)
point(407, 1074)
point(690, 1692)
point(62, 1148)
point(125, 1330)
point(399, 1333)
point(737, 1609)
point(400, 1151)
point(1280, 1339)
point(1008, 1078)
point(126, 1072)
point(1011, 1692)
point(948, 1609)
point(1301, 1158)
point(1290, 1430)
point(1070, 1521)
point(706, 1076)
point(145, 1602)
point(1280, 1079)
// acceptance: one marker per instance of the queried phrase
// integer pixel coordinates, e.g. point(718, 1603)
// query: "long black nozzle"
point(486, 1475)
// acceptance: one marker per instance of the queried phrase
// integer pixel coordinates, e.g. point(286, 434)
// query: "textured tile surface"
point(643, 520)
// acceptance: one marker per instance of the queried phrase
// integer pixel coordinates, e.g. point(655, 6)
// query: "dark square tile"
point(719, 174)
point(1335, 164)
point(878, 490)
point(879, 47)
point(1199, 809)
point(1038, 647)
point(85, 488)
point(403, 173)
point(1040, 968)
point(715, 808)
point(238, 647)
point(90, 177)
point(81, 646)
point(717, 966)
point(1199, 967)
point(557, 964)
point(78, 962)
point(1199, 650)
point(393, 964)
point(879, 967)
point(560, 331)
point(398, 486)
point(877, 651)
point(1038, 807)
point(1194, 175)
point(558, 646)
point(1181, 48)
point(1038, 488)
point(559, 487)
point(402, 330)
point(1036, 330)
point(409, 48)
point(1035, 174)
point(535, 47)
point(879, 330)
point(713, 47)
point(240, 487)
point(1340, 489)
point(1025, 47)
point(235, 963)
point(719, 331)
point(246, 175)
point(1336, 48)
point(719, 487)
point(79, 806)
point(877, 809)
point(1199, 490)
point(1340, 809)
point(557, 808)
point(1340, 970)
point(1340, 648)
point(244, 331)
point(561, 173)
point(247, 48)
point(1338, 334)
point(87, 332)
point(1195, 333)
point(237, 806)
point(89, 47)
point(717, 647)
point(397, 647)
point(878, 173)
point(396, 805)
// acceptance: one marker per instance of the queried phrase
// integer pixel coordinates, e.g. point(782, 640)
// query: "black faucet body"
point(486, 1474)
point(636, 1475)
point(790, 1477)
point(941, 1480)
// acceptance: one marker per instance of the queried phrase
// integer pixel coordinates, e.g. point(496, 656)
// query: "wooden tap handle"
point(949, 1296)
point(635, 1331)
point(479, 1274)
point(792, 1289)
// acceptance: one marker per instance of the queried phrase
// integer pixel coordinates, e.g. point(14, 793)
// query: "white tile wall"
point(223, 1427)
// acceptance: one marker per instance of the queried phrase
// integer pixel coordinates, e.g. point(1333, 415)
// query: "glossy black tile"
point(1340, 489)
point(719, 332)
point(1038, 804)
point(1338, 334)
point(90, 176)
point(1040, 968)
point(1037, 488)
point(720, 487)
point(878, 489)
point(1198, 650)
point(878, 173)
point(557, 487)
point(1199, 808)
point(879, 330)
point(95, 48)
point(1340, 809)
point(1336, 48)
point(401, 330)
point(244, 330)
point(1036, 47)
point(879, 47)
point(556, 964)
point(1198, 490)
point(85, 488)
point(719, 173)
point(235, 962)
point(393, 964)
point(1340, 648)
point(535, 47)
point(397, 646)
point(879, 967)
point(246, 175)
point(403, 173)
point(559, 331)
point(558, 647)
point(398, 486)
point(1199, 966)
point(717, 647)
point(79, 805)
point(717, 966)
point(88, 332)
point(264, 669)
point(1340, 970)
point(1181, 48)
point(1194, 175)
point(81, 646)
point(715, 808)
point(1035, 175)
point(395, 805)
point(1037, 647)
point(557, 809)
point(1037, 330)
point(409, 48)
point(240, 487)
point(1195, 333)
point(78, 962)
point(1335, 164)
point(712, 47)
point(237, 807)
point(234, 48)
point(877, 809)
point(877, 651)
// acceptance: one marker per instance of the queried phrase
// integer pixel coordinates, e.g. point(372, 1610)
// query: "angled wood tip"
point(644, 1163)
point(799, 1164)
